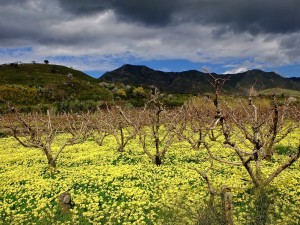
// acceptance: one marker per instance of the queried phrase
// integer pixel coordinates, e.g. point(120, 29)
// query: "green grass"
point(281, 92)
point(40, 75)
point(33, 87)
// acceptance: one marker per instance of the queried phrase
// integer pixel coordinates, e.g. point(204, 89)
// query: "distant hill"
point(281, 92)
point(42, 85)
point(193, 81)
point(39, 74)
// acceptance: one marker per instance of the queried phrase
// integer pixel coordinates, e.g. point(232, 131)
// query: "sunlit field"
point(111, 187)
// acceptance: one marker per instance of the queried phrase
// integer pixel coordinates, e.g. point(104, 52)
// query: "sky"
point(95, 36)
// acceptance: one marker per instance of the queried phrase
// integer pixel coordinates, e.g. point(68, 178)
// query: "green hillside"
point(41, 86)
point(39, 74)
point(281, 92)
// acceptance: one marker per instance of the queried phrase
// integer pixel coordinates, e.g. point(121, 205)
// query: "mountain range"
point(39, 87)
point(193, 81)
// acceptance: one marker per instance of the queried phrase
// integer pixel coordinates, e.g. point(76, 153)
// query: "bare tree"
point(159, 130)
point(197, 122)
point(39, 131)
point(119, 127)
point(154, 125)
point(254, 136)
point(252, 133)
point(99, 126)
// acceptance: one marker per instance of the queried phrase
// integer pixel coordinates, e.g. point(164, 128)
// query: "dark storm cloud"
point(256, 16)
point(86, 7)
point(291, 46)
point(154, 12)
point(30, 21)
point(266, 31)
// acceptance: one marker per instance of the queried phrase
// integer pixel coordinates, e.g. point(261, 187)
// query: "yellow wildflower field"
point(109, 187)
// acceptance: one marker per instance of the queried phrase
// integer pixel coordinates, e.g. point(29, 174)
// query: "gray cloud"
point(290, 45)
point(213, 31)
point(26, 22)
point(256, 16)
point(152, 13)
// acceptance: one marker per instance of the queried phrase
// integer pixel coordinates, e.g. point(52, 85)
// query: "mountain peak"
point(129, 67)
point(194, 81)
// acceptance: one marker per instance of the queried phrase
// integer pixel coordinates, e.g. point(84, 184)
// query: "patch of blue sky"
point(95, 64)
point(288, 70)
point(15, 52)
point(94, 73)
point(179, 65)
